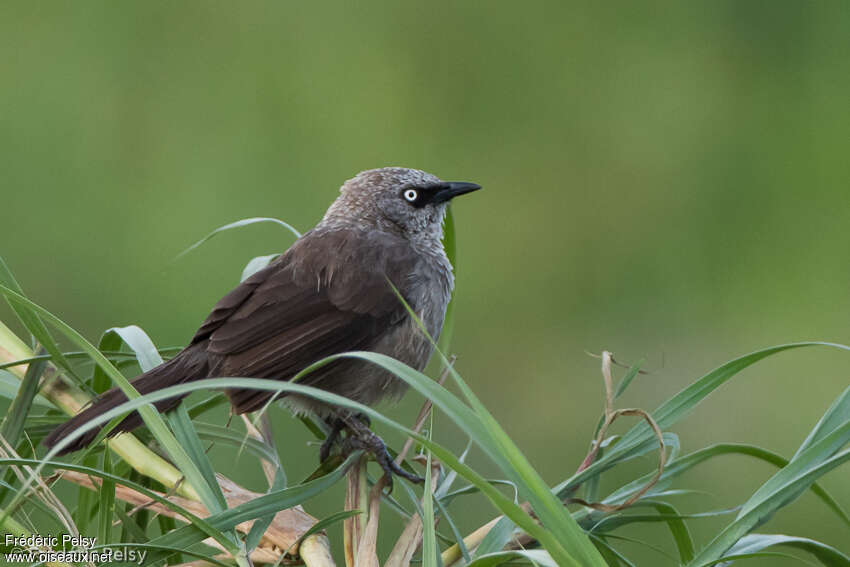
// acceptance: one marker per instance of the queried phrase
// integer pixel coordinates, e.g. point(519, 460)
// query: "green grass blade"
point(551, 511)
point(760, 555)
point(450, 478)
point(458, 536)
point(611, 551)
point(811, 457)
point(785, 486)
point(826, 554)
point(470, 489)
point(23, 450)
point(185, 433)
point(254, 265)
point(10, 387)
point(130, 530)
point(608, 552)
point(685, 463)
point(612, 522)
point(232, 438)
point(678, 529)
point(429, 538)
point(16, 416)
point(591, 486)
point(116, 357)
point(259, 528)
point(140, 343)
point(239, 224)
point(106, 502)
point(496, 539)
point(109, 341)
point(534, 556)
point(641, 543)
point(206, 405)
point(627, 379)
point(835, 416)
point(85, 500)
point(327, 522)
point(678, 407)
point(32, 321)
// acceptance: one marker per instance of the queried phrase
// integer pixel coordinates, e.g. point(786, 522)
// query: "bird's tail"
point(189, 365)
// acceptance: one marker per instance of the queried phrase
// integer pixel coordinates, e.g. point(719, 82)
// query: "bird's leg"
point(363, 418)
point(360, 437)
point(337, 425)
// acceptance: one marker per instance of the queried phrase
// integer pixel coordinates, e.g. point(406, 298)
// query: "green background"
point(666, 180)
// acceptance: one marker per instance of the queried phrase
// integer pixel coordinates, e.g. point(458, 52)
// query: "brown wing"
point(327, 294)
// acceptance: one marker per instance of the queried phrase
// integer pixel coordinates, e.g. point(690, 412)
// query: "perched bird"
point(330, 292)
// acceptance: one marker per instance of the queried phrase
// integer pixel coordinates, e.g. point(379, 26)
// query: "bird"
point(335, 290)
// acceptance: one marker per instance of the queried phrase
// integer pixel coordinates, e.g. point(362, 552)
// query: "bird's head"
point(408, 202)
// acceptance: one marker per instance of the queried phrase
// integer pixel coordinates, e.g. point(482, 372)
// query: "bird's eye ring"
point(411, 195)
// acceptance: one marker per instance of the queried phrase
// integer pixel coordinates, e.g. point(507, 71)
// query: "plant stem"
point(11, 526)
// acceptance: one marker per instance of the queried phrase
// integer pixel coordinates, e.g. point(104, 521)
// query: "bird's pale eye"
point(411, 195)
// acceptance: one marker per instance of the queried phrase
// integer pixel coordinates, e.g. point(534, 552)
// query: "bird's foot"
point(360, 437)
point(337, 425)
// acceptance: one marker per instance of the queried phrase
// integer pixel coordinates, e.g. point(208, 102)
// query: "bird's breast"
point(429, 290)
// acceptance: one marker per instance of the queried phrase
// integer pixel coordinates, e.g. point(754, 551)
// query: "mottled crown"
point(373, 200)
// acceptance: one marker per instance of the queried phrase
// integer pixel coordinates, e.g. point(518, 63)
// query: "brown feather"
point(306, 306)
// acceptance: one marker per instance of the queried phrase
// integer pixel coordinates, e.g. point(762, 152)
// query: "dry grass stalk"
point(283, 533)
point(355, 499)
point(611, 416)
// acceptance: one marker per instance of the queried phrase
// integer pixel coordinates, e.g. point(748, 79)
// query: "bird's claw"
point(362, 438)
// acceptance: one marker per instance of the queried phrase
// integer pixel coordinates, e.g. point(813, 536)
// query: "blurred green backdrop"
point(665, 180)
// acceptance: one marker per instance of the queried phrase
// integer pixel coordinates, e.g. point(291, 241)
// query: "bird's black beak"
point(451, 189)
